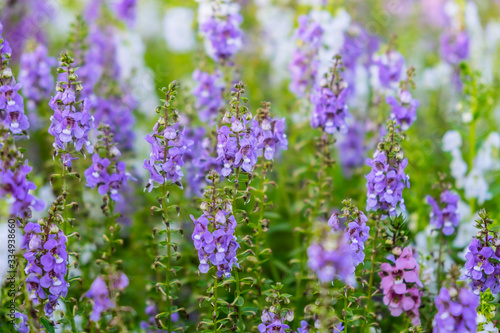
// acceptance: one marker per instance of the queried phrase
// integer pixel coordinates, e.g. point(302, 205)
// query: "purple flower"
point(99, 294)
point(208, 94)
point(213, 237)
point(222, 33)
point(167, 155)
point(35, 75)
point(482, 266)
point(400, 284)
point(456, 311)
point(444, 214)
point(389, 68)
point(330, 257)
point(12, 107)
point(14, 183)
point(352, 148)
point(404, 110)
point(304, 64)
point(97, 173)
point(454, 47)
point(270, 136)
point(21, 323)
point(45, 252)
point(329, 109)
point(126, 11)
point(385, 183)
point(304, 327)
point(71, 121)
point(272, 322)
point(358, 232)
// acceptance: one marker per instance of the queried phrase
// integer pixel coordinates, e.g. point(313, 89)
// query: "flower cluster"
point(126, 10)
point(14, 182)
point(482, 261)
point(45, 251)
point(400, 283)
point(330, 256)
point(107, 173)
point(387, 179)
point(220, 26)
point(99, 293)
point(388, 68)
point(168, 144)
point(356, 231)
point(213, 234)
point(444, 214)
point(352, 148)
point(454, 47)
point(456, 310)
point(275, 317)
point(269, 132)
point(200, 160)
point(12, 114)
point(35, 75)
point(71, 121)
point(404, 108)
point(208, 93)
point(329, 102)
point(21, 324)
point(236, 145)
point(304, 63)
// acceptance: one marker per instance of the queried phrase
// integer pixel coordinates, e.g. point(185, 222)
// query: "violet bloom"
point(71, 121)
point(97, 173)
point(272, 322)
point(35, 75)
point(304, 64)
point(352, 148)
point(400, 284)
point(199, 161)
point(222, 33)
point(236, 153)
point(21, 323)
point(116, 111)
point(12, 114)
point(389, 67)
point(214, 239)
point(404, 109)
point(208, 94)
point(358, 233)
point(126, 11)
point(45, 251)
point(14, 183)
point(482, 266)
point(270, 136)
point(167, 154)
point(454, 47)
point(99, 294)
point(330, 258)
point(385, 183)
point(444, 214)
point(304, 327)
point(456, 311)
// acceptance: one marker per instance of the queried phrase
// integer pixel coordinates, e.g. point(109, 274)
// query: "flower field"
point(300, 166)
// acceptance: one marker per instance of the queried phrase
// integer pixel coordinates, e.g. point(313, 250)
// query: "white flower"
point(452, 140)
point(177, 29)
point(475, 186)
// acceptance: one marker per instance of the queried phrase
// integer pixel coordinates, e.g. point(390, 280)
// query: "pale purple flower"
point(389, 67)
point(454, 47)
point(445, 214)
point(456, 311)
point(304, 64)
point(208, 94)
point(99, 294)
point(482, 266)
point(403, 109)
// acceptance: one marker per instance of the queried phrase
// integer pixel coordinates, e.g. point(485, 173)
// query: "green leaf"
point(239, 301)
point(47, 325)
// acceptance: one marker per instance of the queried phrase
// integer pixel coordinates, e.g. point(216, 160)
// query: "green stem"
point(372, 271)
point(472, 153)
point(169, 250)
point(346, 327)
point(238, 292)
point(215, 305)
point(440, 260)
